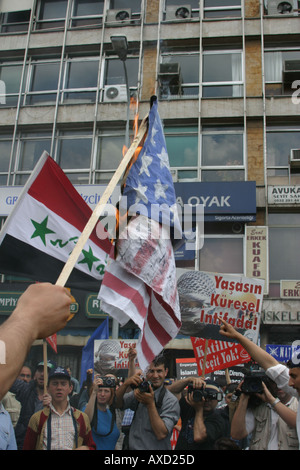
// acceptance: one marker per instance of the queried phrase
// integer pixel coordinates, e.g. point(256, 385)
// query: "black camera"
point(253, 383)
point(144, 386)
point(107, 382)
point(206, 393)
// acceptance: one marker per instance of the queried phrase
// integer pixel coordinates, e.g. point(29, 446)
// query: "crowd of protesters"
point(141, 412)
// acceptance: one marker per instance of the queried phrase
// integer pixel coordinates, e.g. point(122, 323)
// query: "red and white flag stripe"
point(140, 285)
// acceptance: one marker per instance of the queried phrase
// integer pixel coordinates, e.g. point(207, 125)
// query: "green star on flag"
point(41, 230)
point(89, 258)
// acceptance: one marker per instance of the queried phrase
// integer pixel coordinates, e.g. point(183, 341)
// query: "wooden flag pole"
point(72, 260)
point(204, 360)
point(68, 267)
point(45, 365)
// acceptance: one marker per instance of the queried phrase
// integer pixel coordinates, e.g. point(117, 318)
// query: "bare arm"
point(288, 415)
point(42, 310)
point(260, 356)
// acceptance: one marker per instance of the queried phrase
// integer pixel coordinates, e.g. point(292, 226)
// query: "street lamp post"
point(120, 46)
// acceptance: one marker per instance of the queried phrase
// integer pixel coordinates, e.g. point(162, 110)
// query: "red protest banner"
point(219, 354)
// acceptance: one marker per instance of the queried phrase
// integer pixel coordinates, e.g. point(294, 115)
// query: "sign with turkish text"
point(257, 253)
point(219, 355)
point(205, 298)
point(111, 355)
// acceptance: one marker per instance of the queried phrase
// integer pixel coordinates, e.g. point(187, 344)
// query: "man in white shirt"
point(286, 378)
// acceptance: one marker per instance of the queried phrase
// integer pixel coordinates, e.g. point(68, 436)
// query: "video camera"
point(108, 382)
point(253, 383)
point(207, 393)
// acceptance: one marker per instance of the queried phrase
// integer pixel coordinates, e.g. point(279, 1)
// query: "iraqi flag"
point(43, 228)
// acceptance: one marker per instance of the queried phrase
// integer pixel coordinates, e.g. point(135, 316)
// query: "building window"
point(81, 78)
point(30, 148)
point(10, 80)
point(281, 71)
point(109, 154)
point(222, 9)
point(15, 21)
point(87, 13)
point(73, 154)
point(5, 150)
point(179, 75)
point(177, 10)
point(222, 153)
point(182, 147)
point(42, 82)
point(284, 254)
point(51, 14)
point(281, 142)
point(222, 74)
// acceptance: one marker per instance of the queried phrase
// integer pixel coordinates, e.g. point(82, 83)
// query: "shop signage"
point(257, 254)
point(8, 302)
point(233, 201)
point(290, 289)
point(284, 194)
point(223, 201)
point(281, 352)
point(93, 309)
point(279, 312)
point(90, 193)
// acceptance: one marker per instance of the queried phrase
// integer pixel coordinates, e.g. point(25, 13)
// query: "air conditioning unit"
point(178, 12)
point(115, 93)
point(282, 7)
point(291, 70)
point(295, 158)
point(119, 16)
point(169, 79)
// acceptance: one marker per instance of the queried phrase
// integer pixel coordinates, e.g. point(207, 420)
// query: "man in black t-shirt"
point(202, 423)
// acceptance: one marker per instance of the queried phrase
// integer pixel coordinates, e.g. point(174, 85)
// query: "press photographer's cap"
point(59, 372)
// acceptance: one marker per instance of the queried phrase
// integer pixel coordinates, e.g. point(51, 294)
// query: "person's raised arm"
point(264, 359)
point(42, 310)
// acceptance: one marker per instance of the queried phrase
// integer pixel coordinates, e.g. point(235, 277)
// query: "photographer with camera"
point(156, 410)
point(202, 423)
point(255, 416)
point(276, 422)
point(102, 414)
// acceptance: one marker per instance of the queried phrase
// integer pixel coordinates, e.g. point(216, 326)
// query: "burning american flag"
point(140, 283)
